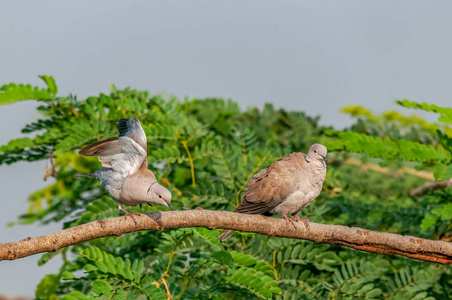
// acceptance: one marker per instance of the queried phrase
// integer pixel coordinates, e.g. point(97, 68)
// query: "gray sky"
point(314, 56)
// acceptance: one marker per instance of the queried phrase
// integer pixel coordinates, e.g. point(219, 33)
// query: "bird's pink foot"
point(305, 221)
point(290, 220)
point(132, 216)
point(129, 214)
point(296, 217)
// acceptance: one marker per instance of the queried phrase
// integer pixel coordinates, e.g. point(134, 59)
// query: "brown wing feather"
point(104, 147)
point(271, 186)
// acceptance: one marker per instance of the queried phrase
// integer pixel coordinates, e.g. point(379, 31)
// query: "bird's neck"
point(317, 163)
point(144, 165)
point(317, 166)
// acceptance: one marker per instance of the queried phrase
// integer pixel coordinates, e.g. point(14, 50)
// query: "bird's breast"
point(307, 189)
point(135, 188)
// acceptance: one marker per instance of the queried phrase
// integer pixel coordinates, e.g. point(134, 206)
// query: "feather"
point(287, 186)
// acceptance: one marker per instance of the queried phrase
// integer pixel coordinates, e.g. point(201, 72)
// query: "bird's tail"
point(225, 234)
point(93, 175)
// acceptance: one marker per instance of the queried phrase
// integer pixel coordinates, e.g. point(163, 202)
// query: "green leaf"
point(428, 221)
point(47, 287)
point(224, 258)
point(446, 212)
point(374, 293)
point(75, 295)
point(446, 113)
point(67, 275)
point(101, 266)
point(151, 290)
point(448, 173)
point(439, 170)
point(48, 256)
point(17, 144)
point(258, 283)
point(51, 84)
point(124, 295)
point(101, 287)
point(90, 268)
point(384, 147)
point(10, 93)
point(210, 236)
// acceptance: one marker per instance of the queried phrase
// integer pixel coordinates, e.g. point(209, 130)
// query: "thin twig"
point(420, 191)
point(168, 293)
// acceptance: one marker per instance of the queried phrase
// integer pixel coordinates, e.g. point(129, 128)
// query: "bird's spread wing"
point(270, 187)
point(132, 129)
point(122, 154)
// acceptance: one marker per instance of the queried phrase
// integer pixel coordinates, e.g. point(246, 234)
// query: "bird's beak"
point(325, 159)
point(169, 205)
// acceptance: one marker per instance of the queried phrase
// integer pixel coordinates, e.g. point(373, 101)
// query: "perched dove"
point(124, 173)
point(286, 187)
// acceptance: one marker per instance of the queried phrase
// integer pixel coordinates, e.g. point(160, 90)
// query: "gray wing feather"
point(122, 154)
point(132, 129)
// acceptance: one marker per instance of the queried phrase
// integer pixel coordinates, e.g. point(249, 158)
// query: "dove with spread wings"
point(124, 173)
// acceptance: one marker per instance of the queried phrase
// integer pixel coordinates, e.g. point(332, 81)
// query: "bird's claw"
point(290, 220)
point(296, 218)
point(126, 213)
point(305, 221)
point(132, 216)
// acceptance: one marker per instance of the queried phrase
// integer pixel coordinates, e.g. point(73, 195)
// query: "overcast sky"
point(313, 56)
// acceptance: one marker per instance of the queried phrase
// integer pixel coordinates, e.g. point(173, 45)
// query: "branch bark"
point(353, 237)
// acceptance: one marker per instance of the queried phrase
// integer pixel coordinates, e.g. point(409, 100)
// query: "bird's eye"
point(160, 196)
point(315, 151)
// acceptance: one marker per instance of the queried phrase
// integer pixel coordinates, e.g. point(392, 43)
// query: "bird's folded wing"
point(132, 129)
point(122, 154)
point(268, 188)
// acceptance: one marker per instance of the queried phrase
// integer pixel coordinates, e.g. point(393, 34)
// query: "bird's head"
point(159, 195)
point(317, 152)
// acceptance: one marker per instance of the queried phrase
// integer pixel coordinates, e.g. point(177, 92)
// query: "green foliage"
point(394, 125)
point(385, 147)
point(10, 93)
point(205, 152)
point(445, 113)
point(413, 283)
point(394, 141)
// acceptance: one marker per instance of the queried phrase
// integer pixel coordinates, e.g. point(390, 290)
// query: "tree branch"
point(389, 172)
point(420, 191)
point(353, 237)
